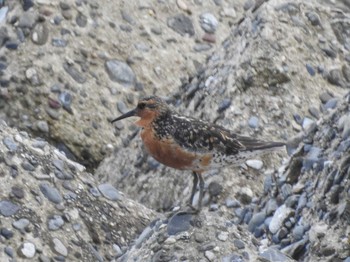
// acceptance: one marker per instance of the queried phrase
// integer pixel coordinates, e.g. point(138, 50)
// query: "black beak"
point(128, 114)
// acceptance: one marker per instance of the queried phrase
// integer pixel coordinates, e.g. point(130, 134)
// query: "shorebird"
point(187, 143)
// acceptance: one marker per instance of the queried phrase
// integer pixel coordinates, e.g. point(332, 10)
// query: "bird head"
point(147, 109)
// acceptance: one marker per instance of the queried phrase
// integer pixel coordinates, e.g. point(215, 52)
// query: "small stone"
point(223, 236)
point(325, 96)
point(335, 77)
point(181, 24)
point(66, 100)
point(255, 164)
point(314, 112)
point(214, 189)
point(81, 20)
point(58, 247)
point(257, 220)
point(310, 69)
point(208, 22)
point(231, 203)
point(199, 237)
point(331, 103)
point(27, 250)
point(8, 208)
point(42, 126)
point(40, 34)
point(307, 122)
point(74, 73)
point(55, 222)
point(58, 42)
point(245, 195)
point(298, 232)
point(50, 193)
point(201, 47)
point(21, 224)
point(313, 18)
point(253, 122)
point(9, 251)
point(109, 192)
point(10, 144)
point(209, 255)
point(239, 244)
point(179, 222)
point(6, 233)
point(120, 72)
point(279, 217)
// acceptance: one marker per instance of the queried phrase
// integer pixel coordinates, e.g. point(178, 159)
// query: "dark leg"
point(201, 188)
point(194, 187)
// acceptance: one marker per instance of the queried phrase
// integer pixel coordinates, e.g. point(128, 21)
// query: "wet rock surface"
point(276, 70)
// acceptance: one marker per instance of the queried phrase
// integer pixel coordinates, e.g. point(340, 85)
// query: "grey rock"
point(40, 34)
point(120, 72)
point(58, 247)
point(6, 233)
point(74, 73)
point(179, 222)
point(208, 22)
point(298, 232)
point(10, 144)
point(257, 220)
point(109, 192)
point(272, 254)
point(279, 217)
point(59, 42)
point(43, 126)
point(81, 20)
point(55, 222)
point(238, 244)
point(253, 122)
point(66, 99)
point(51, 193)
point(27, 250)
point(335, 77)
point(27, 20)
point(21, 224)
point(27, 166)
point(9, 251)
point(331, 103)
point(181, 24)
point(8, 208)
point(202, 47)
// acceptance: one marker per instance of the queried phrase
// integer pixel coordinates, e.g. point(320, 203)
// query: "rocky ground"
point(277, 70)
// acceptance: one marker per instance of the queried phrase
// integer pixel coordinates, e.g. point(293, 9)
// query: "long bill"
point(126, 115)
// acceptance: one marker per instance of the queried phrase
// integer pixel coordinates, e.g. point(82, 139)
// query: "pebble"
point(179, 222)
point(232, 203)
point(335, 77)
point(66, 99)
point(109, 192)
point(40, 34)
point(257, 220)
point(55, 222)
point(81, 20)
point(8, 208)
point(253, 122)
point(27, 250)
point(223, 236)
point(27, 166)
point(239, 244)
point(273, 254)
point(279, 217)
point(314, 112)
point(255, 164)
point(245, 195)
point(74, 73)
point(6, 233)
point(310, 69)
point(43, 126)
point(331, 103)
point(307, 122)
point(181, 24)
point(201, 47)
point(9, 251)
point(210, 255)
point(58, 42)
point(51, 193)
point(325, 96)
point(298, 232)
point(21, 224)
point(120, 72)
point(3, 13)
point(10, 144)
point(208, 22)
point(58, 247)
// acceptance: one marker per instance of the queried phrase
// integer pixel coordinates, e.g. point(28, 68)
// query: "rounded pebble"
point(27, 250)
point(109, 192)
point(50, 193)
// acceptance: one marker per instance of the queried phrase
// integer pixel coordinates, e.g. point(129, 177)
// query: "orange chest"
point(167, 151)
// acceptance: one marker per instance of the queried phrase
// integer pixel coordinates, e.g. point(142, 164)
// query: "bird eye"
point(141, 105)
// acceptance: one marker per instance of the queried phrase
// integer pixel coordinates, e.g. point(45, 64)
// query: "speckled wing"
point(202, 137)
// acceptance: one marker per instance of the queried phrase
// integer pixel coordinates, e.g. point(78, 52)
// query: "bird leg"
point(197, 177)
point(194, 187)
